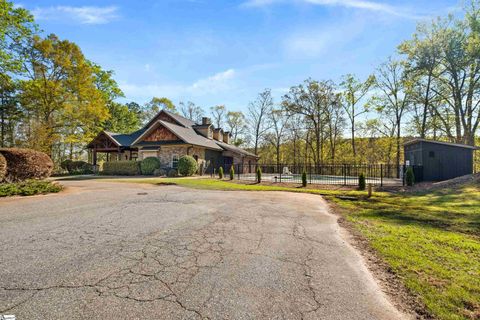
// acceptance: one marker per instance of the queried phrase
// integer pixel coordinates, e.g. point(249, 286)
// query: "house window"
point(195, 157)
point(431, 154)
point(174, 161)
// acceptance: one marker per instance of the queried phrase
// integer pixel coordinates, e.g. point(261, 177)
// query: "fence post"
point(381, 175)
point(344, 174)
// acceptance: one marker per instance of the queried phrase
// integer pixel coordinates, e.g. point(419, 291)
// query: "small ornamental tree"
point(187, 166)
point(304, 178)
point(232, 172)
point(220, 173)
point(259, 175)
point(409, 177)
point(362, 184)
point(148, 165)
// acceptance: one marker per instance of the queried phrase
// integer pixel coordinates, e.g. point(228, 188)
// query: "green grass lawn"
point(431, 240)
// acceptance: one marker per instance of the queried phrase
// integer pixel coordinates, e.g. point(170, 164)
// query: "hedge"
point(121, 168)
point(148, 165)
point(76, 167)
point(23, 164)
point(3, 167)
point(187, 166)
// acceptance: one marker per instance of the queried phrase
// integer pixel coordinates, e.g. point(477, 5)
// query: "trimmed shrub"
point(172, 173)
point(66, 165)
point(410, 177)
point(220, 173)
point(148, 165)
point(187, 166)
point(28, 188)
point(232, 172)
point(3, 167)
point(304, 178)
point(77, 167)
point(259, 175)
point(160, 172)
point(121, 168)
point(23, 164)
point(362, 184)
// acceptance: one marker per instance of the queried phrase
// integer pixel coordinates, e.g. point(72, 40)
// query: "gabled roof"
point(186, 134)
point(458, 145)
point(124, 140)
point(178, 118)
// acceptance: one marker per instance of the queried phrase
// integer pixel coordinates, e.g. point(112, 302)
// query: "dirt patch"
point(391, 284)
point(432, 186)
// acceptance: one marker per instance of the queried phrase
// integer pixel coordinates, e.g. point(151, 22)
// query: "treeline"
point(52, 98)
point(428, 88)
point(55, 100)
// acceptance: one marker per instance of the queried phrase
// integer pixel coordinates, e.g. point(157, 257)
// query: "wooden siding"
point(165, 117)
point(161, 134)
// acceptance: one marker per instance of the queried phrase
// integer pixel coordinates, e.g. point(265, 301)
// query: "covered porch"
point(104, 144)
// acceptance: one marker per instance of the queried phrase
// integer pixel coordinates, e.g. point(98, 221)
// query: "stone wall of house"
point(167, 152)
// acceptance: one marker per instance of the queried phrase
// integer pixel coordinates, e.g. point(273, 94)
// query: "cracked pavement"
point(104, 250)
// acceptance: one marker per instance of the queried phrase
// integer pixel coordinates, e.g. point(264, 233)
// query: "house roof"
point(233, 148)
point(458, 145)
point(185, 122)
point(184, 130)
point(125, 140)
point(188, 135)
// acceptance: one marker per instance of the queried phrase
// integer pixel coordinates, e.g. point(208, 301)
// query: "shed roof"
point(233, 148)
point(458, 145)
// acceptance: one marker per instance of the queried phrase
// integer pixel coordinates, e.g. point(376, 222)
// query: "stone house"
point(169, 136)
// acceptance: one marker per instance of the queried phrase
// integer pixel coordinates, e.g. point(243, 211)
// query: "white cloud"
point(318, 41)
point(216, 83)
point(353, 4)
point(84, 15)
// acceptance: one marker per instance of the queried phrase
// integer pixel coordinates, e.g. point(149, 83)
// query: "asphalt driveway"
point(129, 251)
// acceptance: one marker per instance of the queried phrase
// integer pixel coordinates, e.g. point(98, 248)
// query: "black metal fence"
point(335, 174)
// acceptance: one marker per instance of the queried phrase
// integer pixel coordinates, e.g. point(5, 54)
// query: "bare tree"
point(218, 115)
point(279, 120)
point(312, 100)
point(191, 111)
point(335, 125)
point(257, 120)
point(236, 124)
point(354, 91)
point(393, 99)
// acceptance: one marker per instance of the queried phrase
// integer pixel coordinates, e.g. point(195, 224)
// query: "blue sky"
point(225, 52)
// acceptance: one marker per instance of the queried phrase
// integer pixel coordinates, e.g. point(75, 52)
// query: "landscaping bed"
point(29, 188)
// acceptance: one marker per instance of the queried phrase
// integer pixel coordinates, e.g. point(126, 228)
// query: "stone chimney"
point(226, 137)
point(205, 129)
point(218, 134)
